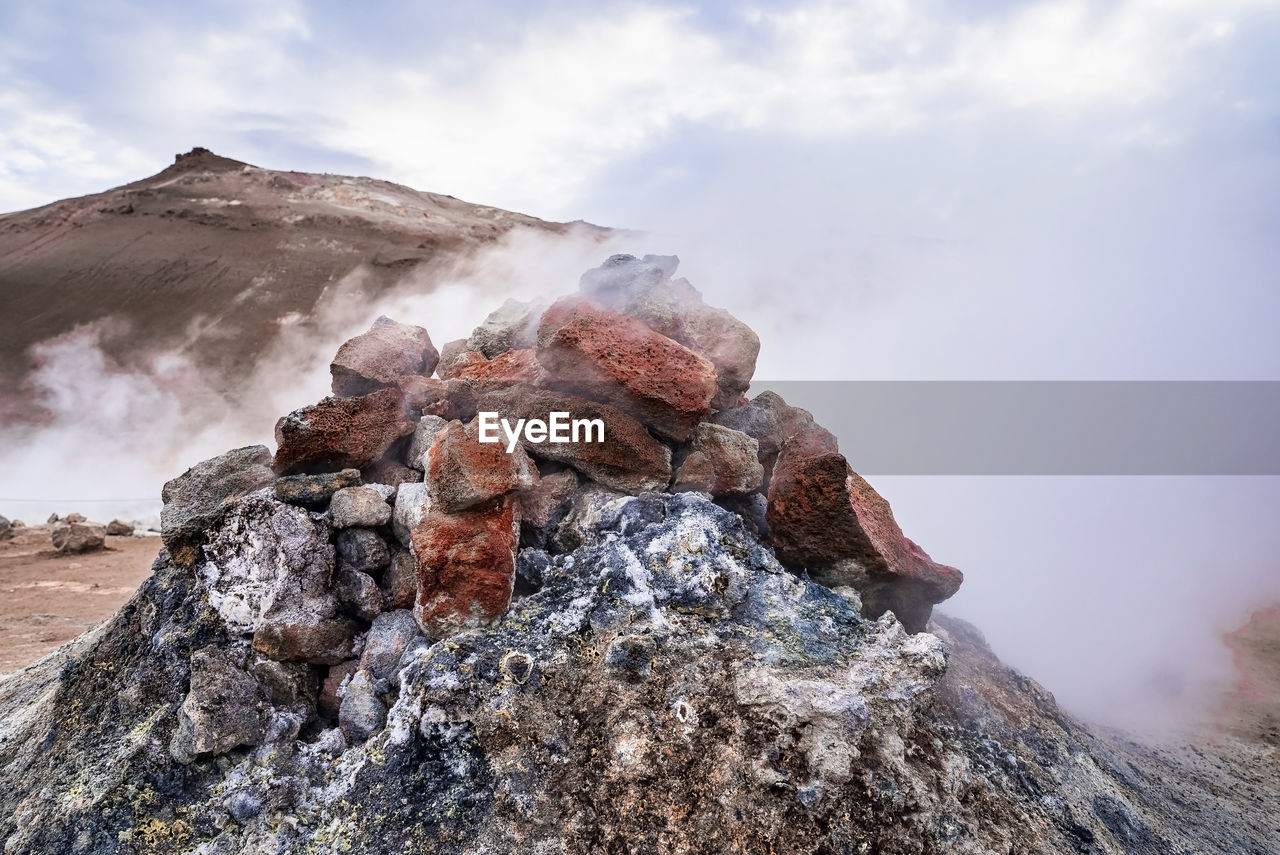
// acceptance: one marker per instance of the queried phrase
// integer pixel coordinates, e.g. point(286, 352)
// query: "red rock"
point(306, 638)
point(341, 433)
point(825, 517)
point(378, 358)
point(466, 566)
point(619, 360)
point(512, 366)
point(329, 702)
point(462, 472)
point(721, 461)
point(629, 460)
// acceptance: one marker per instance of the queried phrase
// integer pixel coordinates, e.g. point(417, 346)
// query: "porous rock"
point(363, 549)
point(361, 712)
point(400, 581)
point(358, 592)
point(720, 461)
point(378, 358)
point(223, 710)
point(613, 358)
point(628, 460)
point(466, 566)
point(512, 326)
point(315, 491)
point(196, 500)
point(341, 433)
point(423, 437)
point(462, 472)
point(388, 638)
point(358, 506)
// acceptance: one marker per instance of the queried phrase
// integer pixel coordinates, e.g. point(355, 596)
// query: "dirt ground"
point(47, 599)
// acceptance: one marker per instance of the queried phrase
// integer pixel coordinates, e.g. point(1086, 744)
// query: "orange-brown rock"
point(512, 366)
point(721, 461)
point(466, 566)
point(341, 433)
point(613, 358)
point(462, 472)
point(378, 358)
point(628, 460)
point(825, 517)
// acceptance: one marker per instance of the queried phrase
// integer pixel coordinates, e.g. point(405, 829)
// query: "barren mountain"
point(211, 255)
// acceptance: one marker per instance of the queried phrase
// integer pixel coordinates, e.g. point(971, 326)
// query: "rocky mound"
point(700, 632)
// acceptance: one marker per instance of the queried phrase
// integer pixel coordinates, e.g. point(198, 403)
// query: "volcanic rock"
point(451, 354)
point(195, 501)
point(400, 581)
point(643, 289)
point(361, 713)
point(389, 637)
point(629, 460)
point(826, 518)
point(412, 503)
point(460, 363)
point(341, 433)
point(78, 536)
point(358, 506)
point(119, 528)
point(306, 638)
point(512, 326)
point(543, 505)
point(466, 566)
point(378, 358)
point(6, 528)
point(610, 357)
point(223, 709)
point(331, 689)
point(721, 461)
point(74, 518)
point(449, 399)
point(462, 472)
point(511, 366)
point(358, 592)
point(423, 437)
point(362, 549)
point(314, 491)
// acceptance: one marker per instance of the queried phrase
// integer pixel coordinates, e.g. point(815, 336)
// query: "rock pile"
point(383, 517)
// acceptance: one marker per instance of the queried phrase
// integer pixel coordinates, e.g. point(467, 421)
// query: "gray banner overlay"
point(1047, 428)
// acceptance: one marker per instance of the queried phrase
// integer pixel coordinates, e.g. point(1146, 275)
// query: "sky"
point(886, 190)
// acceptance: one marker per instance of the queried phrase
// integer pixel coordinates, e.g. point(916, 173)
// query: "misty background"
point(884, 190)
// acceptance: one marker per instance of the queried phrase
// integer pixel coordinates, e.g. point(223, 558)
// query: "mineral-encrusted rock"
point(462, 472)
point(721, 461)
point(400, 581)
point(824, 517)
point(643, 289)
point(512, 326)
point(196, 500)
point(389, 637)
point(315, 491)
point(358, 506)
point(78, 536)
point(119, 528)
point(331, 689)
point(628, 460)
point(423, 437)
point(224, 708)
point(378, 358)
point(363, 549)
point(610, 357)
point(341, 433)
point(362, 712)
point(466, 566)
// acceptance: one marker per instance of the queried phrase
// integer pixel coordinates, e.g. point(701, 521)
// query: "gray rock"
point(363, 550)
point(361, 714)
point(512, 326)
point(452, 354)
point(6, 528)
point(388, 638)
point(358, 592)
point(120, 528)
point(196, 500)
point(78, 536)
point(223, 709)
point(413, 502)
point(423, 436)
point(314, 491)
point(359, 506)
